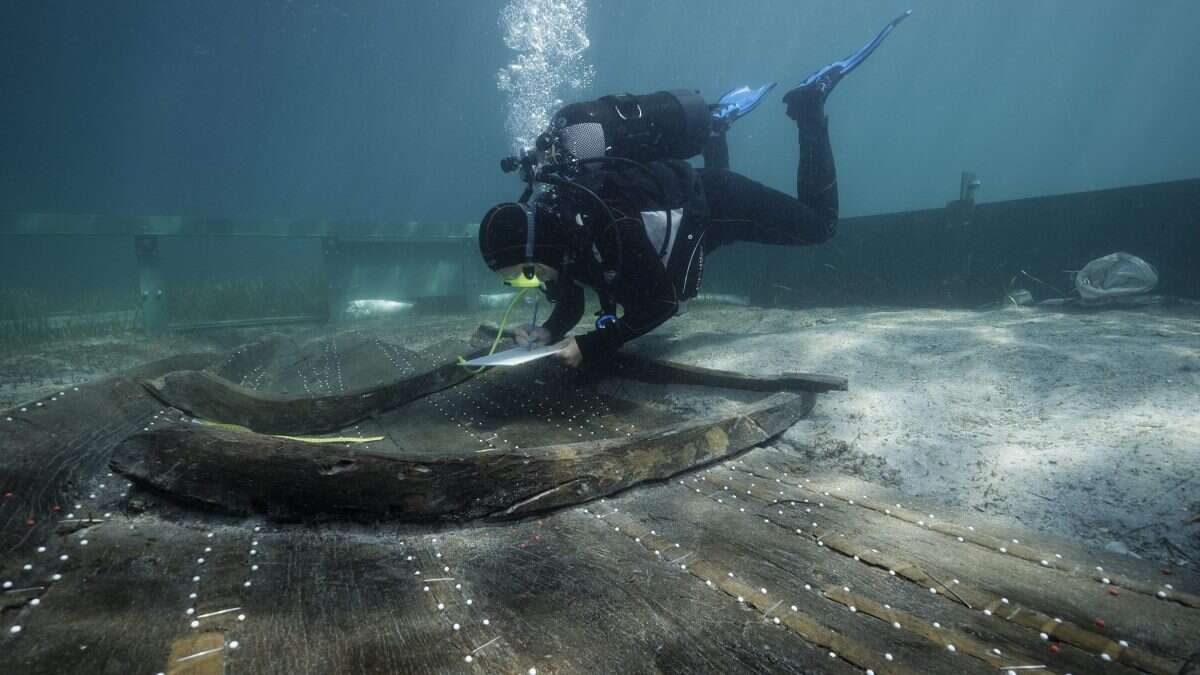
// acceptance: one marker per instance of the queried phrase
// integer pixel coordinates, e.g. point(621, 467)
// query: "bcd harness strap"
point(530, 231)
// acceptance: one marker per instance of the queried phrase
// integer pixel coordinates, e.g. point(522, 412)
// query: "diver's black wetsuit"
point(718, 206)
point(741, 209)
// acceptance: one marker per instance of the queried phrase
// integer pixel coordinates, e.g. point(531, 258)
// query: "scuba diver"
point(612, 204)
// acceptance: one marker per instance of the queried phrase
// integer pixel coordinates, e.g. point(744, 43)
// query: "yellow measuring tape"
point(306, 439)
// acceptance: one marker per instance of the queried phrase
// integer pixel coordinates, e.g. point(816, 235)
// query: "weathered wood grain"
point(203, 394)
point(577, 600)
point(696, 574)
point(52, 447)
point(659, 372)
point(118, 607)
point(614, 586)
point(1095, 616)
point(730, 542)
point(243, 473)
point(959, 600)
point(637, 367)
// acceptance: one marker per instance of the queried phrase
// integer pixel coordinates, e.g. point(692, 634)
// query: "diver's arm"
point(646, 294)
point(639, 318)
point(568, 300)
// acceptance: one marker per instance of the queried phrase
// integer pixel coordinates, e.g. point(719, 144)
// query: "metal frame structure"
point(961, 255)
point(347, 251)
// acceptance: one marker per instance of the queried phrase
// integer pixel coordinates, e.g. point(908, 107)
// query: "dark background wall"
point(934, 258)
point(949, 257)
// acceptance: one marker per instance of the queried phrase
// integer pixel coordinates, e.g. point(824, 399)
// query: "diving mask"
point(527, 278)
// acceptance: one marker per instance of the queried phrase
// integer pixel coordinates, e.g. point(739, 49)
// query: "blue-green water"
point(391, 110)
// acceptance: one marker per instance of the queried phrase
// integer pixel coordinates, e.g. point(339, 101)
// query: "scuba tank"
point(623, 132)
point(619, 129)
point(644, 128)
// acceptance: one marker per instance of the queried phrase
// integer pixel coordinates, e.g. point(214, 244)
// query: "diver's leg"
point(716, 152)
point(741, 209)
point(816, 177)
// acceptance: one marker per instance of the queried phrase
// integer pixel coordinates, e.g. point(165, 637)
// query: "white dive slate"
point(517, 355)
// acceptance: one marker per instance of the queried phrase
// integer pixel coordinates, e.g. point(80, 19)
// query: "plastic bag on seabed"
point(1115, 275)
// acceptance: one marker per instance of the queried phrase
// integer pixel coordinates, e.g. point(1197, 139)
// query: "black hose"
point(664, 198)
point(613, 220)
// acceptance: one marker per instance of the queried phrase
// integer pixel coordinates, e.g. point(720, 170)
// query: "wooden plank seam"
point(1022, 552)
point(804, 625)
point(1068, 632)
point(446, 595)
point(203, 652)
point(942, 637)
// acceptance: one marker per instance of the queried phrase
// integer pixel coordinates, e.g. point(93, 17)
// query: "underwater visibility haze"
point(599, 336)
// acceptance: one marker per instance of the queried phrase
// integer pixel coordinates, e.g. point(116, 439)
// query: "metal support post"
point(151, 284)
point(336, 278)
point(962, 210)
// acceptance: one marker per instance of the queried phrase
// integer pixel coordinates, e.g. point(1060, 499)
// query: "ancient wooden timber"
point(749, 563)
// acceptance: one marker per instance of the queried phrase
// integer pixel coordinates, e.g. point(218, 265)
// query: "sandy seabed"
point(1081, 424)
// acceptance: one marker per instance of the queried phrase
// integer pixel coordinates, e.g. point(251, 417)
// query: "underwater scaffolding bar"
point(417, 261)
point(963, 255)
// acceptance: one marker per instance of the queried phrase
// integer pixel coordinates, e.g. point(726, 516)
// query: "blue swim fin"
point(824, 80)
point(735, 104)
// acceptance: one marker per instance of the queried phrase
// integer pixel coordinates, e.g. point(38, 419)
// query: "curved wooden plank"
point(635, 367)
point(665, 372)
point(288, 479)
point(203, 394)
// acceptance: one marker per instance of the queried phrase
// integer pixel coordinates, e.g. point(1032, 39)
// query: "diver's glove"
point(735, 104)
point(807, 99)
point(537, 337)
